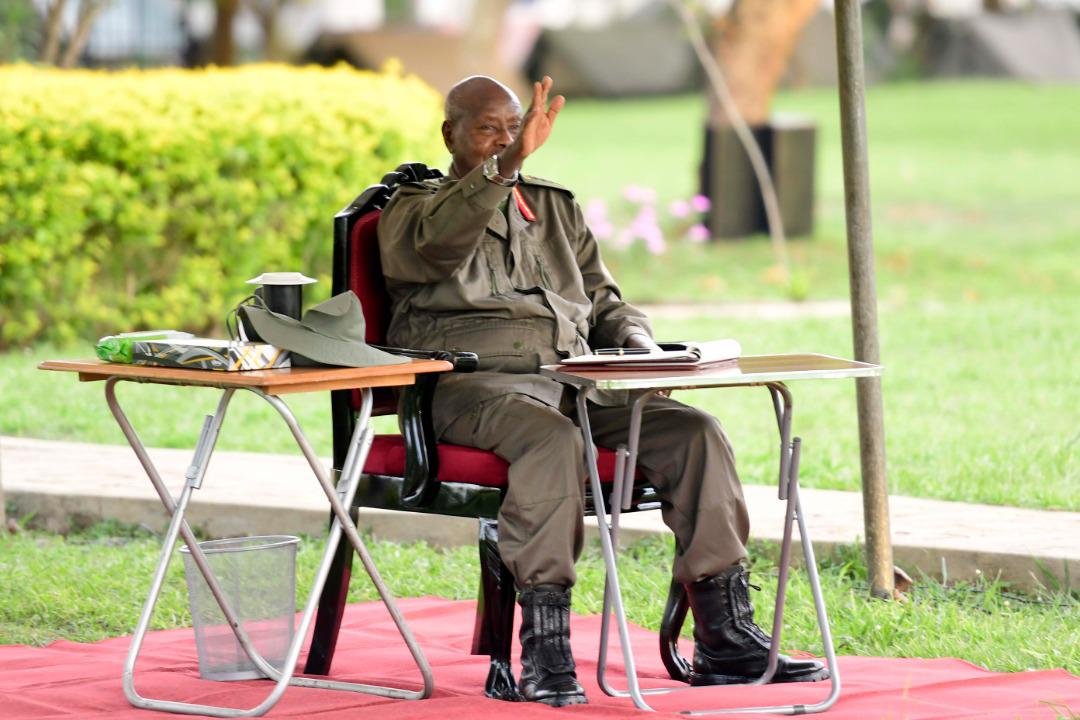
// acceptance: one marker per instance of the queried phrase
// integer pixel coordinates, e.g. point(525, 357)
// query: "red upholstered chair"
point(412, 471)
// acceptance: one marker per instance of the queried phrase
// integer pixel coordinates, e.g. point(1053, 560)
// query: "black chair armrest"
point(421, 448)
point(414, 412)
point(462, 361)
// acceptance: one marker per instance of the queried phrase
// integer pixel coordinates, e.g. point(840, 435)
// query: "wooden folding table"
point(269, 385)
point(771, 371)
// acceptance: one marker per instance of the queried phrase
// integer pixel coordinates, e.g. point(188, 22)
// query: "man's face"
point(484, 132)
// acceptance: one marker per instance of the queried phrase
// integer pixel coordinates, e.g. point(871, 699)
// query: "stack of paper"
point(670, 355)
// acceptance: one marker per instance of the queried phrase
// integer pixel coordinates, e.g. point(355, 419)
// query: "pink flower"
point(654, 242)
point(597, 220)
point(602, 230)
point(640, 194)
point(623, 240)
point(646, 218)
point(595, 211)
point(679, 208)
point(697, 233)
point(645, 227)
point(700, 203)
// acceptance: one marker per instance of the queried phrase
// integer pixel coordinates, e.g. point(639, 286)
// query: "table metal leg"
point(787, 491)
point(608, 551)
point(343, 523)
point(360, 443)
point(622, 492)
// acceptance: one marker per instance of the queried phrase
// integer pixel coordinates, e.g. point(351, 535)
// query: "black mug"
point(285, 300)
point(281, 293)
point(282, 299)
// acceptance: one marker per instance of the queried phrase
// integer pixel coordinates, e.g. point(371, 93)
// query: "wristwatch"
point(491, 172)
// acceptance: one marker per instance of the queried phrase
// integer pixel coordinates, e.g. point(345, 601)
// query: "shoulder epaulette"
point(541, 182)
point(429, 186)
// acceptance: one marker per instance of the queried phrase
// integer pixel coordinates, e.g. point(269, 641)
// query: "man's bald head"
point(483, 117)
point(475, 94)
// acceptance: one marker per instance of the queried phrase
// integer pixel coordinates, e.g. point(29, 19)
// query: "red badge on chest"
point(523, 207)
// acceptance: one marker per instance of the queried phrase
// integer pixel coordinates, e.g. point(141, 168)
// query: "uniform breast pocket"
point(494, 259)
point(541, 267)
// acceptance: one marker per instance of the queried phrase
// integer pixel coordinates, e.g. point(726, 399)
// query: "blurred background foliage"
point(146, 198)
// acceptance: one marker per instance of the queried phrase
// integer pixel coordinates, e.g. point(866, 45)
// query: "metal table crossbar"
point(770, 371)
point(268, 385)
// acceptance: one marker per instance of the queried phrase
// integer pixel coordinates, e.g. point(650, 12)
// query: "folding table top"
point(746, 370)
point(279, 381)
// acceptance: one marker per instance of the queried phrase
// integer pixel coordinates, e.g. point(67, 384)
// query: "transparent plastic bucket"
point(258, 578)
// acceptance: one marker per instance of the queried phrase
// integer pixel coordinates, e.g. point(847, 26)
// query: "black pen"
point(623, 351)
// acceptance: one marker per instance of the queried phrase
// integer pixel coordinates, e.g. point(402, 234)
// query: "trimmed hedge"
point(145, 199)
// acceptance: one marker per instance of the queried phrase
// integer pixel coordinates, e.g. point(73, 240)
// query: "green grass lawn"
point(90, 586)
point(977, 233)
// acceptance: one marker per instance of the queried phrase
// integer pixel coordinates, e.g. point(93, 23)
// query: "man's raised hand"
point(540, 118)
point(535, 127)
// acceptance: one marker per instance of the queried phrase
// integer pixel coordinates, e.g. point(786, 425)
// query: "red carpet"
point(71, 680)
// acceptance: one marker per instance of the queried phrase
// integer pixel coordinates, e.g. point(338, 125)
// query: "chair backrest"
point(366, 278)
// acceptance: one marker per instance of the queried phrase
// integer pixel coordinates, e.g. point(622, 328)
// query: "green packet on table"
point(117, 348)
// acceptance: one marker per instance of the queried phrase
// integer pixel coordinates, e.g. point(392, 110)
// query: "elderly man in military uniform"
point(500, 263)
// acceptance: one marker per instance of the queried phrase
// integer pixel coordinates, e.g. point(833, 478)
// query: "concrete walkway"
point(64, 483)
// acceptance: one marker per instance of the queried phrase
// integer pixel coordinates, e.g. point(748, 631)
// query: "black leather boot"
point(547, 666)
point(729, 647)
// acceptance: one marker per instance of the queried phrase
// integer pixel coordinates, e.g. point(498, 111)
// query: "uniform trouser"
point(683, 452)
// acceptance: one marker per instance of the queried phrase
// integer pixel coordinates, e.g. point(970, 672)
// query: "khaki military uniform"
point(469, 268)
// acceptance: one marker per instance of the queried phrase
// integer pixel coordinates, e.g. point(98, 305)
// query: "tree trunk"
point(753, 44)
point(222, 48)
point(88, 12)
point(267, 12)
point(50, 48)
point(481, 41)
